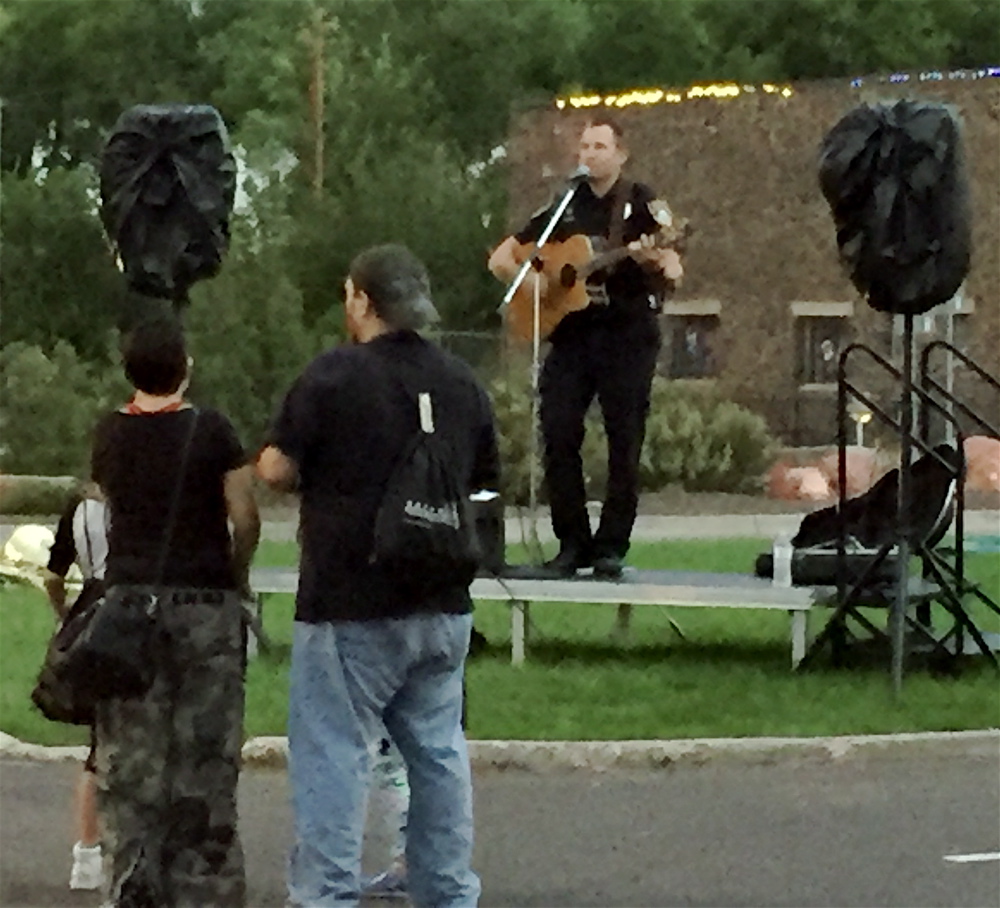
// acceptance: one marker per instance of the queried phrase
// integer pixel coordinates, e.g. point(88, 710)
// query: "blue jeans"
point(347, 678)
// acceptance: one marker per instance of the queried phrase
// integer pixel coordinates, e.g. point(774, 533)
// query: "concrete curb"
point(600, 756)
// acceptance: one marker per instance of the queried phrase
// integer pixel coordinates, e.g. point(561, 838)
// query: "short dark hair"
point(612, 124)
point(397, 283)
point(155, 355)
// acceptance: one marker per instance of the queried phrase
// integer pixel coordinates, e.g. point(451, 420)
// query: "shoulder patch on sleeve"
point(661, 213)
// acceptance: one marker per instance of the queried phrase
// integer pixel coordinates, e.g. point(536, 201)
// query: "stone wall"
point(744, 171)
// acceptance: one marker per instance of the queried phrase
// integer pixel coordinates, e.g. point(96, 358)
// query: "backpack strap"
point(425, 408)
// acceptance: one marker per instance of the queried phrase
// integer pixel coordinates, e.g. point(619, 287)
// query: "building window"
point(949, 321)
point(820, 342)
point(692, 346)
point(962, 332)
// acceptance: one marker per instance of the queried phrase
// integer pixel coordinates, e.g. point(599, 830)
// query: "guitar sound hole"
point(567, 275)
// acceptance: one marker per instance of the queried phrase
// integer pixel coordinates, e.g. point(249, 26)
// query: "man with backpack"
point(384, 440)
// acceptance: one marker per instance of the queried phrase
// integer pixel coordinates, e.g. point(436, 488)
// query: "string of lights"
point(931, 75)
point(725, 90)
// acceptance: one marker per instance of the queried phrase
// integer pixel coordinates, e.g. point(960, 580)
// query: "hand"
point(651, 257)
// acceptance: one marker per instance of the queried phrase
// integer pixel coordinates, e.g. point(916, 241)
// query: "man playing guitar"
point(607, 349)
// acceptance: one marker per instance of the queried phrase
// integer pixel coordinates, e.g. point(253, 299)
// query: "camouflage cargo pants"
point(168, 764)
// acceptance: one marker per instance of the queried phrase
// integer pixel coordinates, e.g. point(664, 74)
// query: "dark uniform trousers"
point(613, 357)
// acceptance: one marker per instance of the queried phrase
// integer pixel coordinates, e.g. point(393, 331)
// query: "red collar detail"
point(133, 409)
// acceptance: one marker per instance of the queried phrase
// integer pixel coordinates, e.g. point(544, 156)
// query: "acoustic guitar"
point(566, 265)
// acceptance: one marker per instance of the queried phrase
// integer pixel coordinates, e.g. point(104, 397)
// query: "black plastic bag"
point(895, 180)
point(168, 179)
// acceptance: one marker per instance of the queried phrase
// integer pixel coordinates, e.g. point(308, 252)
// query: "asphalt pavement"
point(900, 826)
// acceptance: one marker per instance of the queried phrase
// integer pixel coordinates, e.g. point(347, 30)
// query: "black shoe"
point(608, 567)
point(564, 565)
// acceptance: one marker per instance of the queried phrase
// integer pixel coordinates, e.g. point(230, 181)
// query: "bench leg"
point(254, 613)
point(799, 622)
point(619, 632)
point(518, 631)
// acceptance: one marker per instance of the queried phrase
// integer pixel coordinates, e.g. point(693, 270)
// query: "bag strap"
point(86, 539)
point(401, 375)
point(175, 502)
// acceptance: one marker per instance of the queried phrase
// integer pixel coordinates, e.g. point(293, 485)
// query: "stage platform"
point(677, 589)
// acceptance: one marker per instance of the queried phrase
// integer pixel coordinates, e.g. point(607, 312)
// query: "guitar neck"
point(604, 260)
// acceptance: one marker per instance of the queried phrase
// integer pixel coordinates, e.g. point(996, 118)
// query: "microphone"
point(580, 174)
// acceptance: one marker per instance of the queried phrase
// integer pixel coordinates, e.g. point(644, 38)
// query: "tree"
point(813, 39)
point(48, 408)
point(246, 329)
point(654, 42)
point(417, 95)
point(482, 58)
point(58, 281)
point(68, 68)
point(391, 177)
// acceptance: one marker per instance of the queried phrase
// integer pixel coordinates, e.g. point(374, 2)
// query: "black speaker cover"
point(168, 179)
point(895, 180)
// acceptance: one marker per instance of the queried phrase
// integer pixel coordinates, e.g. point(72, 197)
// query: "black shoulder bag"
point(106, 649)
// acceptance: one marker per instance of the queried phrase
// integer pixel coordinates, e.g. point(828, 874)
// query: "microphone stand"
point(575, 181)
point(543, 238)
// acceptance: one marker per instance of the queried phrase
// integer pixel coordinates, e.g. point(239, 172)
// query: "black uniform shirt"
point(629, 288)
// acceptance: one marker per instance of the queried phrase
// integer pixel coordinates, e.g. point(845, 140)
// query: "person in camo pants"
point(168, 762)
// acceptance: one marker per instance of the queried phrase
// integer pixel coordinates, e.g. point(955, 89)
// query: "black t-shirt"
point(136, 461)
point(63, 551)
point(345, 422)
point(631, 291)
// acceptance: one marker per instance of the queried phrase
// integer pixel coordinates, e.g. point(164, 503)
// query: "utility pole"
point(317, 94)
point(1, 184)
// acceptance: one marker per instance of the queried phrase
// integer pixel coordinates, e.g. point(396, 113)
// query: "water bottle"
point(388, 805)
point(782, 555)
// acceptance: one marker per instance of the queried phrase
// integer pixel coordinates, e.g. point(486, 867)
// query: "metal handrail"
point(905, 429)
point(927, 381)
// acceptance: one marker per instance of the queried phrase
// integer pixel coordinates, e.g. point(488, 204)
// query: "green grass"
point(729, 677)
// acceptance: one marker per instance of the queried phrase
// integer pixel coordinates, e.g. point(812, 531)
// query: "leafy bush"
point(694, 439)
point(698, 440)
point(35, 494)
point(49, 406)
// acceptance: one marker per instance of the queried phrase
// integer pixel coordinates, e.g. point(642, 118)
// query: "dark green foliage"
point(417, 96)
point(58, 281)
point(49, 405)
point(35, 495)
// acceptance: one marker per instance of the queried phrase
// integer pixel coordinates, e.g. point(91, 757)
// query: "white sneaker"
point(88, 868)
